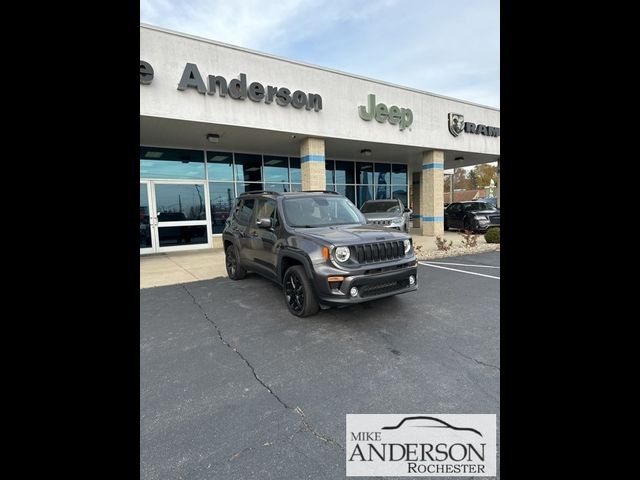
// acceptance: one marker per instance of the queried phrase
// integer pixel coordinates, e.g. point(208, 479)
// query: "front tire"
point(235, 271)
point(298, 292)
point(466, 227)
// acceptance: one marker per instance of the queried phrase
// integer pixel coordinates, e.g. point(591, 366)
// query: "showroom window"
point(164, 163)
point(220, 166)
point(343, 178)
point(248, 167)
point(276, 169)
point(229, 174)
point(221, 195)
point(399, 178)
point(296, 175)
point(364, 179)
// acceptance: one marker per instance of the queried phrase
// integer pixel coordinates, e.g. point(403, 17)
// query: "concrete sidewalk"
point(184, 267)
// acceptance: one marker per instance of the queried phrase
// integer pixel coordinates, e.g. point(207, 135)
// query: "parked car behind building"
point(475, 216)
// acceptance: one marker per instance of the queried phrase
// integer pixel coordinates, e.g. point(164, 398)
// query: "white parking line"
point(463, 265)
point(456, 270)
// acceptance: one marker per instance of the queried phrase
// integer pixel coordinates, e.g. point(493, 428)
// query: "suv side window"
point(266, 209)
point(243, 214)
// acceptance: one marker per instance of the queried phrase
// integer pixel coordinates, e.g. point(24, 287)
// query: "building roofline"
point(318, 67)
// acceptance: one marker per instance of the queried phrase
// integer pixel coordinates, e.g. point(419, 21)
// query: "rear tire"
point(235, 271)
point(298, 292)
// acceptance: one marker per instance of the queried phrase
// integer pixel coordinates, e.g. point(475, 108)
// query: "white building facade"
point(217, 120)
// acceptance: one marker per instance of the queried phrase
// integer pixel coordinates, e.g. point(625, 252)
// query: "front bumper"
point(392, 280)
point(483, 227)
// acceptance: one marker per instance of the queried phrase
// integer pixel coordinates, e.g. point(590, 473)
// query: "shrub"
point(492, 235)
point(441, 243)
point(469, 239)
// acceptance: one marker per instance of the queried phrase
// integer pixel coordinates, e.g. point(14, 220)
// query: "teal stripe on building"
point(312, 158)
point(429, 166)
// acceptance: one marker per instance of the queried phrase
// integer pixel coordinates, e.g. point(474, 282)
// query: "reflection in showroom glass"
point(145, 228)
point(221, 197)
point(180, 202)
point(182, 235)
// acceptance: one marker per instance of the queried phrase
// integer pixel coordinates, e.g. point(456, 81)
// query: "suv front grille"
point(494, 219)
point(378, 252)
point(383, 286)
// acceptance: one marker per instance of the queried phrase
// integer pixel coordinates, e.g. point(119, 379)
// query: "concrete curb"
point(458, 251)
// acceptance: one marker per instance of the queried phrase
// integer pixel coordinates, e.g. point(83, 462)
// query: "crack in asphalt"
point(471, 358)
point(297, 409)
point(309, 428)
point(227, 344)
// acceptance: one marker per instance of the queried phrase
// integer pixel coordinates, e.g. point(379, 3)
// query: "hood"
point(381, 215)
point(351, 234)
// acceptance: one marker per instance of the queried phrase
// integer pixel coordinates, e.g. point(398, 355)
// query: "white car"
point(389, 213)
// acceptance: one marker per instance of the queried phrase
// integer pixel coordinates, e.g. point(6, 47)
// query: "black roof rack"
point(320, 191)
point(254, 192)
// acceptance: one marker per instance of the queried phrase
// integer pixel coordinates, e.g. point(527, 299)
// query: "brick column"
point(312, 164)
point(431, 195)
point(498, 185)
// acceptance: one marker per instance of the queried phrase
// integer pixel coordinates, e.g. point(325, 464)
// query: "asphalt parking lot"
point(232, 386)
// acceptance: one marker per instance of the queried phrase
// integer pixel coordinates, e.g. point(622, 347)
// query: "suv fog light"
point(412, 280)
point(353, 292)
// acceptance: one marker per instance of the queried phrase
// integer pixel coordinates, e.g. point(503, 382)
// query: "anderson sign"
point(237, 88)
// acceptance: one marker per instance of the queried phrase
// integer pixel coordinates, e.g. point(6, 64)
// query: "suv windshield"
point(320, 211)
point(478, 206)
point(380, 207)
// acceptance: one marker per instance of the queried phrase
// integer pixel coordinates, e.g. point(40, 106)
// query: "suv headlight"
point(407, 245)
point(342, 254)
point(397, 221)
point(482, 218)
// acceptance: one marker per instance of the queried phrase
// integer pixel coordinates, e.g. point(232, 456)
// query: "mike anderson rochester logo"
point(421, 445)
point(457, 125)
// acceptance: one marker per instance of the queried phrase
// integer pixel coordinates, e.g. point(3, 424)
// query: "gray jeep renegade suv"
point(318, 247)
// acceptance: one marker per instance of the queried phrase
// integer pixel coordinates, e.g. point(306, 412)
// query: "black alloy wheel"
point(298, 292)
point(235, 271)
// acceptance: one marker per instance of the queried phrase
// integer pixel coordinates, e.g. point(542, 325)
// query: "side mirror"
point(264, 222)
point(408, 210)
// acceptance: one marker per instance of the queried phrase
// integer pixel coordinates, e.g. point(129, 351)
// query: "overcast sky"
point(447, 47)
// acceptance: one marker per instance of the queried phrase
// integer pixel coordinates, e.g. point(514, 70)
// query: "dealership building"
point(217, 120)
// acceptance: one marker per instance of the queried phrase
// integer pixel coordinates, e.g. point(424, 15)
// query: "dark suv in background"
point(318, 247)
point(475, 216)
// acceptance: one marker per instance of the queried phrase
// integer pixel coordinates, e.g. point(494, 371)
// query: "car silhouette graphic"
point(436, 423)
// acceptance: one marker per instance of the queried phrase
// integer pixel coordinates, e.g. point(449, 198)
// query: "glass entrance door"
point(147, 240)
point(178, 217)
